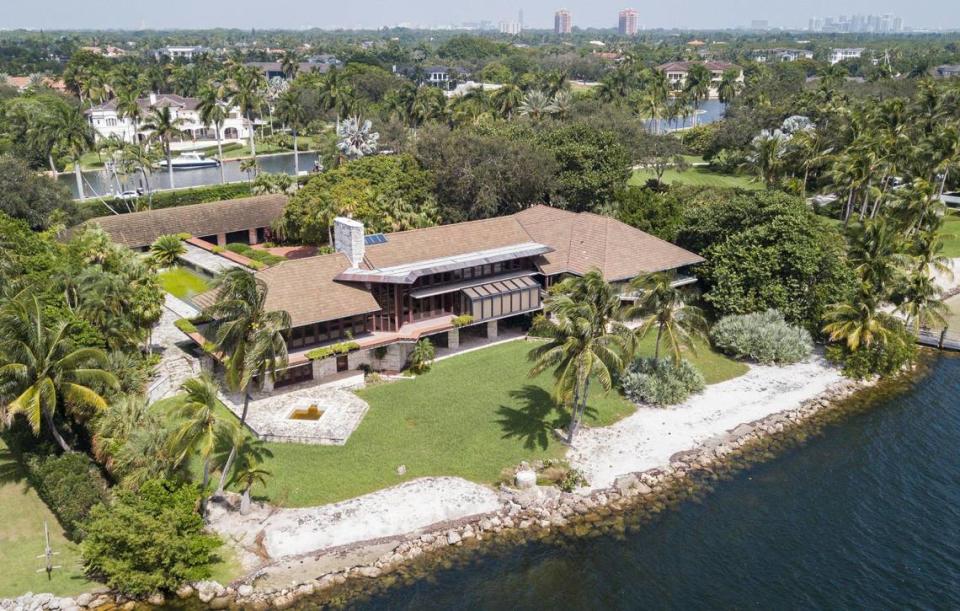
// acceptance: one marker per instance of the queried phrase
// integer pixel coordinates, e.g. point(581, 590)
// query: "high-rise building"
point(562, 22)
point(627, 25)
point(510, 27)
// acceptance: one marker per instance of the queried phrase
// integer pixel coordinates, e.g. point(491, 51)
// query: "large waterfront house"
point(763, 56)
point(842, 54)
point(677, 72)
point(380, 293)
point(107, 121)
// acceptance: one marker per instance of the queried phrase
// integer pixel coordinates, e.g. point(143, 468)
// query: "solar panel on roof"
point(374, 238)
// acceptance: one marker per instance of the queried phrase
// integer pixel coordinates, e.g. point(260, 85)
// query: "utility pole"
point(48, 553)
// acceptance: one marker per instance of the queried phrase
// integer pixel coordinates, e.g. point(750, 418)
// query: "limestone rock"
point(245, 590)
point(453, 537)
point(526, 479)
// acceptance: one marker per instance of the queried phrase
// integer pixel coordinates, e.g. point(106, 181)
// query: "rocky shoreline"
point(534, 513)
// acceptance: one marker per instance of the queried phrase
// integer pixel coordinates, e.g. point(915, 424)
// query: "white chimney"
point(348, 239)
point(153, 98)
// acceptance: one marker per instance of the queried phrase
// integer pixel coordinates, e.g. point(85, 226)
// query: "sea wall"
point(537, 513)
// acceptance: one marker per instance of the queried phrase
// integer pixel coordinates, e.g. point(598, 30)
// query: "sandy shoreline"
point(291, 540)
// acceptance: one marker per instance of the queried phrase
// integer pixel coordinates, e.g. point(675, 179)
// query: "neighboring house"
point(947, 70)
point(187, 53)
point(22, 83)
point(225, 222)
point(273, 70)
point(106, 51)
point(108, 123)
point(386, 291)
point(445, 77)
point(676, 73)
point(781, 55)
point(839, 55)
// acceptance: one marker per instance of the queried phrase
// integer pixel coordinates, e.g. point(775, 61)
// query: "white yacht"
point(190, 160)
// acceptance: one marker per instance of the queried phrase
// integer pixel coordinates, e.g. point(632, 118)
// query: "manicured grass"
point(714, 366)
point(953, 319)
point(21, 540)
point(182, 282)
point(951, 235)
point(697, 176)
point(470, 416)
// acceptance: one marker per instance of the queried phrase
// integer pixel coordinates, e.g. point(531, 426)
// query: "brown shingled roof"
point(405, 247)
point(307, 290)
point(585, 241)
point(139, 229)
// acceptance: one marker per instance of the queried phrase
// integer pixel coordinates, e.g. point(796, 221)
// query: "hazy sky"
point(188, 14)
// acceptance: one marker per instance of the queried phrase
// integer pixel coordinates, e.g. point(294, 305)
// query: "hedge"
point(342, 348)
point(185, 325)
point(171, 199)
point(71, 485)
point(462, 321)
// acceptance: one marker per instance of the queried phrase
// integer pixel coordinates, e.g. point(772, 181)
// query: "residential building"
point(947, 70)
point(839, 55)
point(273, 70)
point(245, 221)
point(105, 51)
point(510, 27)
point(384, 292)
point(627, 22)
point(676, 73)
point(187, 53)
point(22, 83)
point(781, 55)
point(562, 22)
point(107, 122)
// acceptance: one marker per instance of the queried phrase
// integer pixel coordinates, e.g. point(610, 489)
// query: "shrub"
point(325, 351)
point(660, 382)
point(880, 359)
point(540, 327)
point(149, 541)
point(166, 249)
point(462, 321)
point(422, 356)
point(185, 325)
point(258, 255)
point(764, 337)
point(70, 485)
point(171, 199)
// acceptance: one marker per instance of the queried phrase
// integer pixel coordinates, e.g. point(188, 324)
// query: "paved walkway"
point(175, 365)
point(209, 262)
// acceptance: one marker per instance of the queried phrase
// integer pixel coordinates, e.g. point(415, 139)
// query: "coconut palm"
point(664, 307)
point(134, 157)
point(128, 107)
point(859, 322)
point(247, 89)
point(919, 295)
point(290, 65)
point(697, 86)
point(166, 249)
point(163, 128)
point(334, 93)
point(200, 426)
point(213, 111)
point(586, 342)
point(507, 99)
point(428, 104)
point(291, 111)
point(877, 254)
point(73, 136)
point(729, 87)
point(247, 470)
point(43, 371)
point(251, 337)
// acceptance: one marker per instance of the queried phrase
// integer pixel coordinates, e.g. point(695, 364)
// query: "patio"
point(329, 412)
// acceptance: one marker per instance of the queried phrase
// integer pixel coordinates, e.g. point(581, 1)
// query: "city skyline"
point(372, 14)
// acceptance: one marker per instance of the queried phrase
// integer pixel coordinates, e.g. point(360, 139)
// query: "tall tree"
point(247, 89)
point(43, 371)
point(291, 111)
point(213, 111)
point(664, 307)
point(163, 128)
point(74, 137)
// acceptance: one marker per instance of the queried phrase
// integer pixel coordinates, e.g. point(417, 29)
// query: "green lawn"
point(953, 319)
point(698, 176)
point(714, 366)
point(470, 416)
point(951, 235)
point(21, 540)
point(182, 282)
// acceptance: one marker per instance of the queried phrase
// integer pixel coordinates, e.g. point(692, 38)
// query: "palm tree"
point(247, 472)
point(729, 86)
point(163, 128)
point(586, 341)
point(334, 92)
point(201, 426)
point(766, 156)
point(355, 139)
point(128, 107)
point(535, 105)
point(919, 295)
point(44, 370)
point(251, 336)
point(213, 111)
point(290, 110)
point(290, 65)
point(166, 249)
point(73, 135)
point(859, 322)
point(247, 94)
point(507, 99)
point(664, 307)
point(876, 252)
point(697, 86)
point(560, 104)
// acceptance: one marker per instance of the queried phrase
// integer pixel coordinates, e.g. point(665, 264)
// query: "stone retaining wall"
point(532, 513)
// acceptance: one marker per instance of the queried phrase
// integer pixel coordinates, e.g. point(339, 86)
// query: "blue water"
point(864, 516)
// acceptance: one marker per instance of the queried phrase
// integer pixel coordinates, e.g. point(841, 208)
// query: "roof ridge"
point(477, 221)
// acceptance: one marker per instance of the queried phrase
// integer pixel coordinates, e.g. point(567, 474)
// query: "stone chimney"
point(348, 239)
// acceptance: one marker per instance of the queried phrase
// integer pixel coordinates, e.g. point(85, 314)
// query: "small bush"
point(540, 327)
point(261, 256)
point(70, 485)
point(660, 382)
point(764, 337)
point(185, 325)
point(421, 358)
point(881, 359)
point(149, 541)
point(325, 351)
point(462, 321)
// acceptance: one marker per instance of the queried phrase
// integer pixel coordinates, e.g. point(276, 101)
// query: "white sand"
point(401, 509)
point(648, 438)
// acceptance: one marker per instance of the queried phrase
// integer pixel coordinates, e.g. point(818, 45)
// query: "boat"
point(190, 161)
